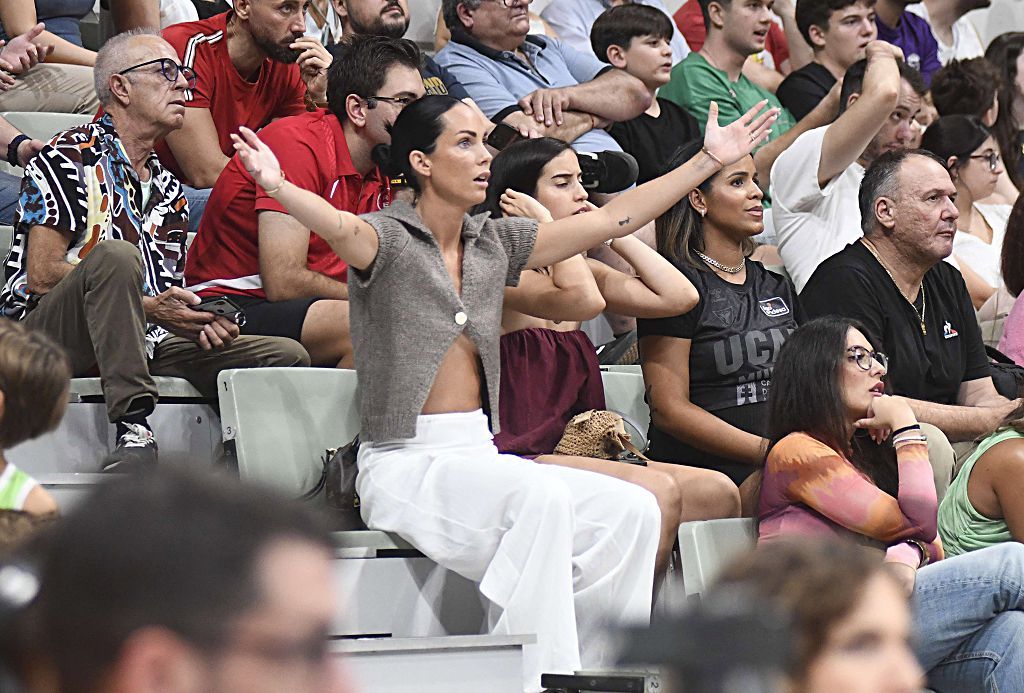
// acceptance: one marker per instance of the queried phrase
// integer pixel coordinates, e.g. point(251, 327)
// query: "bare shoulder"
point(40, 502)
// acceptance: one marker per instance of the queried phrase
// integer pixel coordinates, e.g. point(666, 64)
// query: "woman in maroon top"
point(542, 344)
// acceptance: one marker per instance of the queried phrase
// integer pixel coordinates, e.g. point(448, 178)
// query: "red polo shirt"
point(232, 100)
point(224, 258)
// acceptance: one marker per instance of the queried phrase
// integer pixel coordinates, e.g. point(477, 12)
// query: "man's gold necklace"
point(924, 305)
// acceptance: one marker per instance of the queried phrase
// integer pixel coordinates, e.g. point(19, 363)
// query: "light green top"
point(15, 485)
point(961, 527)
point(695, 84)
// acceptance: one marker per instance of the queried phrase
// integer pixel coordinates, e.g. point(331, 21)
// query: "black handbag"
point(1007, 376)
point(337, 484)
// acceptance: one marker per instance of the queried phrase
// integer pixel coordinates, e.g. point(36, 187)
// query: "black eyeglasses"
point(864, 358)
point(509, 3)
point(169, 69)
point(402, 101)
point(992, 158)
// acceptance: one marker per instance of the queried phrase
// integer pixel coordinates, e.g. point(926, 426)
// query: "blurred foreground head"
point(186, 584)
point(850, 622)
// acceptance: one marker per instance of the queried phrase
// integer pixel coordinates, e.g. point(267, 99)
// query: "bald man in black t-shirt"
point(915, 305)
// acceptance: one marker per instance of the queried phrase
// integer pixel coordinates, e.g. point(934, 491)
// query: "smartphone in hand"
point(222, 306)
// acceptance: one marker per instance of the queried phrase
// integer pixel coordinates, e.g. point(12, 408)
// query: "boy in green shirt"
point(735, 30)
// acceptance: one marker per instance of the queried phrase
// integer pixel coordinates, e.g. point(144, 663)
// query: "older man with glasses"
point(99, 245)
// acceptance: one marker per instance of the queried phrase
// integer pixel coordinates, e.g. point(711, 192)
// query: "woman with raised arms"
point(557, 551)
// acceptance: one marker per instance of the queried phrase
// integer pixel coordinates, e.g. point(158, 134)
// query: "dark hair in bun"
point(416, 129)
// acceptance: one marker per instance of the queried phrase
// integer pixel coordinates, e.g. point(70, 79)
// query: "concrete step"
point(68, 489)
point(452, 664)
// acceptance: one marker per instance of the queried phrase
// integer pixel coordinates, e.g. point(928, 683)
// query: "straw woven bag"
point(597, 433)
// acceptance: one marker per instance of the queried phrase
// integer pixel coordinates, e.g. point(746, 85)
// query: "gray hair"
point(882, 179)
point(115, 55)
point(450, 11)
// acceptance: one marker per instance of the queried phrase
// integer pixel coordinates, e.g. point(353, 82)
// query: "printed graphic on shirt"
point(948, 332)
point(913, 60)
point(749, 357)
point(434, 86)
point(774, 307)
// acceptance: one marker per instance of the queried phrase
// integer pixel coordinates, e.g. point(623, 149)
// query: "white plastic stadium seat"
point(624, 393)
point(282, 420)
point(40, 125)
point(622, 368)
point(709, 546)
point(6, 240)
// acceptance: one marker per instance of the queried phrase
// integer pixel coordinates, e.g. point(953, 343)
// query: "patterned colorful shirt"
point(809, 489)
point(83, 183)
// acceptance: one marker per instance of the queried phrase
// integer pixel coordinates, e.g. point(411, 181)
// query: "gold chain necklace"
point(924, 305)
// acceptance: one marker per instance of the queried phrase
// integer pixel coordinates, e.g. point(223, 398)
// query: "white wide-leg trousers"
point(560, 553)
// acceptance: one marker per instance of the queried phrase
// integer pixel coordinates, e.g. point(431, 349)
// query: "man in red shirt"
point(288, 279)
point(252, 65)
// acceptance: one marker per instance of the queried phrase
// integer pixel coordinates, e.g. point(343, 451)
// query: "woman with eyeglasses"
point(848, 461)
point(971, 156)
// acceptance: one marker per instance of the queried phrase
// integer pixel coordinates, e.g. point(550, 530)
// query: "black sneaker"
point(135, 451)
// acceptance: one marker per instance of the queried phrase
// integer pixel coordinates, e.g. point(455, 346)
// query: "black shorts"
point(274, 318)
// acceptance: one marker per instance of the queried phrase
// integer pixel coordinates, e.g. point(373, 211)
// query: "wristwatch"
point(12, 149)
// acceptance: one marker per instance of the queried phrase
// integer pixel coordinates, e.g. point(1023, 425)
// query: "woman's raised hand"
point(734, 141)
point(257, 159)
point(517, 204)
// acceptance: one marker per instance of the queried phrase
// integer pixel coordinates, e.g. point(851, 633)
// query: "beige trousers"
point(52, 87)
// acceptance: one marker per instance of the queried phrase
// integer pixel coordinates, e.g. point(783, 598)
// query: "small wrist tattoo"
point(623, 222)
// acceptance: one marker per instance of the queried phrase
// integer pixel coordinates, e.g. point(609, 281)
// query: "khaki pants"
point(52, 87)
point(942, 458)
point(96, 313)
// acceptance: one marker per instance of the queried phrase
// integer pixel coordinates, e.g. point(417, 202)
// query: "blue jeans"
point(10, 188)
point(196, 204)
point(970, 623)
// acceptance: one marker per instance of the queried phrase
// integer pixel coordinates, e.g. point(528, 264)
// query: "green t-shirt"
point(695, 84)
point(961, 527)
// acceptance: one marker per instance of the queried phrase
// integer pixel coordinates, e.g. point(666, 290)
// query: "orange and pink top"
point(810, 489)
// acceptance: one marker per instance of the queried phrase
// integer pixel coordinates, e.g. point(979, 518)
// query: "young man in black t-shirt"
point(838, 32)
point(915, 306)
point(635, 38)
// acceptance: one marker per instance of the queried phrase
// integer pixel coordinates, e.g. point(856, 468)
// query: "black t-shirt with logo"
point(929, 366)
point(736, 331)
